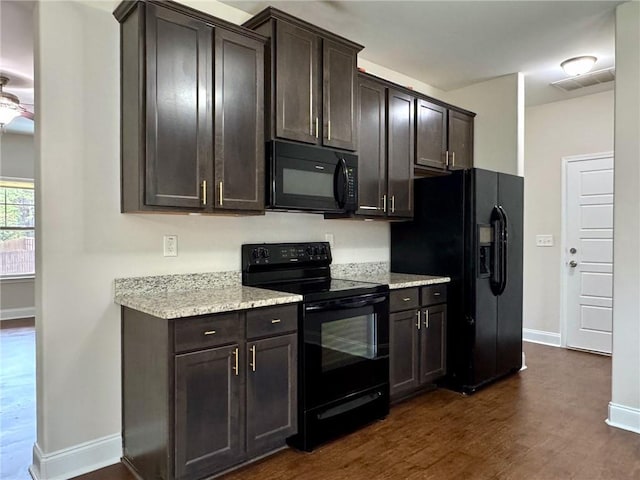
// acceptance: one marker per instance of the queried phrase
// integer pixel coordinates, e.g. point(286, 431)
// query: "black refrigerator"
point(468, 226)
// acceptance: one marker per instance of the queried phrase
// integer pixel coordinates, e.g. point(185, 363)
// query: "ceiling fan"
point(10, 107)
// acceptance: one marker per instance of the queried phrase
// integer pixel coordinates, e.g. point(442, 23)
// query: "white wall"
point(498, 127)
point(572, 127)
point(17, 155)
point(17, 159)
point(624, 409)
point(83, 242)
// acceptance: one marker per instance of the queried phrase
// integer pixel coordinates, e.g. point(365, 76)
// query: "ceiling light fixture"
point(10, 107)
point(578, 65)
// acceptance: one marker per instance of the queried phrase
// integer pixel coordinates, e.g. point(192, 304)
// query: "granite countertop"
point(178, 304)
point(399, 280)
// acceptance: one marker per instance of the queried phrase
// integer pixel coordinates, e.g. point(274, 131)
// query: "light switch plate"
point(170, 245)
point(544, 240)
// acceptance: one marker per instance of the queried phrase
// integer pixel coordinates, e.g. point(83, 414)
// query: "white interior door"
point(589, 253)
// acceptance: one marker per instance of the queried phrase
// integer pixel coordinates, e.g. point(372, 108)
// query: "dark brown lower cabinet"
point(208, 399)
point(271, 392)
point(403, 337)
point(205, 394)
point(417, 337)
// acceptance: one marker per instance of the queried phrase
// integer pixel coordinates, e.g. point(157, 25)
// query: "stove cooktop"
point(325, 289)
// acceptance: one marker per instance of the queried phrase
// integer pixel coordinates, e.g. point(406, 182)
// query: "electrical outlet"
point(328, 237)
point(170, 245)
point(544, 240)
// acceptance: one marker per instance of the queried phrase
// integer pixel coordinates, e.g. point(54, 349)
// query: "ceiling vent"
point(587, 80)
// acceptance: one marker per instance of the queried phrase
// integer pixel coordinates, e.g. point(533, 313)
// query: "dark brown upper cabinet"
point(460, 140)
point(431, 134)
point(372, 154)
point(444, 137)
point(400, 153)
point(310, 77)
point(385, 150)
point(192, 106)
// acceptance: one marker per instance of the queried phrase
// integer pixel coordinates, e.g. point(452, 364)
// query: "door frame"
point(563, 234)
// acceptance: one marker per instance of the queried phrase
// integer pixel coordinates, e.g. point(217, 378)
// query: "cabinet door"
point(178, 144)
point(271, 392)
point(433, 343)
point(339, 95)
point(372, 163)
point(460, 140)
point(403, 338)
point(297, 83)
point(431, 134)
point(239, 122)
point(208, 411)
point(400, 114)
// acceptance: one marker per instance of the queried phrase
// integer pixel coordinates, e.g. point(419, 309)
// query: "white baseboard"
point(626, 418)
point(15, 313)
point(538, 336)
point(76, 460)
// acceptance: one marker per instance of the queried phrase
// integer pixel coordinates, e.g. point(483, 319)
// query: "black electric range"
point(343, 357)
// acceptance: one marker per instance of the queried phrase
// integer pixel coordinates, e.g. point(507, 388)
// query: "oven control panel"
point(280, 254)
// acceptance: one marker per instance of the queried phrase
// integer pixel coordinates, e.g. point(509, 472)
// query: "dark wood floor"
point(544, 423)
point(17, 398)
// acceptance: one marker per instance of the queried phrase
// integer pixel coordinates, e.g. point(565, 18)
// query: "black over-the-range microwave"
point(310, 178)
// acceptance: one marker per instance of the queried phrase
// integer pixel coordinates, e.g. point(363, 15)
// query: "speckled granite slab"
point(400, 280)
point(349, 270)
point(179, 304)
point(176, 283)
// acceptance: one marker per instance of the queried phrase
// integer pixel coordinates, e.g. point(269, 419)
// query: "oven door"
point(345, 347)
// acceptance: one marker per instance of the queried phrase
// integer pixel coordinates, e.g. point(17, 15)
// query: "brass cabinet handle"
point(276, 320)
point(221, 195)
point(203, 185)
point(384, 203)
point(328, 129)
point(235, 368)
point(253, 358)
point(210, 332)
point(446, 158)
point(393, 203)
point(426, 320)
point(418, 314)
point(317, 127)
point(453, 159)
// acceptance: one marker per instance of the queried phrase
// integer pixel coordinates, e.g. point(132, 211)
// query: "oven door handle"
point(345, 304)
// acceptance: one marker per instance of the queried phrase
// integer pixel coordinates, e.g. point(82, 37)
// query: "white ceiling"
point(447, 44)
point(452, 44)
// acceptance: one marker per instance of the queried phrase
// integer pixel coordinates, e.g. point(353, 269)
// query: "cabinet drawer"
point(264, 322)
point(203, 332)
point(404, 299)
point(433, 294)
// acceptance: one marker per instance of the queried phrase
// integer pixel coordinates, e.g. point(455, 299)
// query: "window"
point(17, 239)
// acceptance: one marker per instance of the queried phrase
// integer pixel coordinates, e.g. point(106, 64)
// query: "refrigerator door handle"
point(504, 240)
point(496, 279)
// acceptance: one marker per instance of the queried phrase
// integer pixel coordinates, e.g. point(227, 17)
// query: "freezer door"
point(509, 328)
point(485, 304)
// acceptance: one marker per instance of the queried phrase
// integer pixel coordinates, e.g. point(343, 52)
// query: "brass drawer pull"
point(276, 320)
point(436, 294)
point(406, 299)
point(210, 332)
